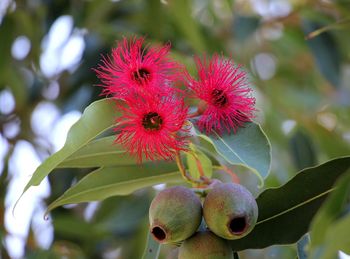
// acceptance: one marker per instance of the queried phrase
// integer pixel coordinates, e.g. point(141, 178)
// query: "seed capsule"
point(175, 214)
point(205, 245)
point(173, 254)
point(230, 211)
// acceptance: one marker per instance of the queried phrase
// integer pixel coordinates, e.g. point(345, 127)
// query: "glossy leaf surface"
point(285, 212)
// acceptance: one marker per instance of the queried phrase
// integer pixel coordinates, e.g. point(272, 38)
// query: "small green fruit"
point(175, 214)
point(205, 245)
point(173, 254)
point(230, 211)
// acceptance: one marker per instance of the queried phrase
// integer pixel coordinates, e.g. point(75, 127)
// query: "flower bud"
point(175, 214)
point(230, 211)
point(206, 245)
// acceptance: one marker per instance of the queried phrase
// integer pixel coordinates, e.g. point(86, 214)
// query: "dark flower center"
point(152, 121)
point(219, 98)
point(141, 75)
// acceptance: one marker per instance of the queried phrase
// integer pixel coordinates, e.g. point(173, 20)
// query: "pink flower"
point(132, 67)
point(153, 126)
point(225, 95)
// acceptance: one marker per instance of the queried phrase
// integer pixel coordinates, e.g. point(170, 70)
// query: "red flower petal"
point(132, 67)
point(153, 126)
point(223, 86)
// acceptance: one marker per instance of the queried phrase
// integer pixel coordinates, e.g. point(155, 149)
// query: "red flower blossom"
point(223, 89)
point(153, 127)
point(134, 67)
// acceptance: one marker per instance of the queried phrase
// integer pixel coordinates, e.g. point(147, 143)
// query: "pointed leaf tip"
point(96, 118)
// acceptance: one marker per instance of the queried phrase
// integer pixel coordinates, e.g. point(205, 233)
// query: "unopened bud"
point(175, 214)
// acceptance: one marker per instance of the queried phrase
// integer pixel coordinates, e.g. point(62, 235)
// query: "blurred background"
point(298, 55)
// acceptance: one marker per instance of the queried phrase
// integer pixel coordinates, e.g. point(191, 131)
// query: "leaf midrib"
point(295, 207)
point(110, 185)
point(95, 155)
point(218, 136)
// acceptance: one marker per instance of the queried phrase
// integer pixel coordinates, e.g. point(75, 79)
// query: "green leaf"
point(340, 24)
point(244, 26)
point(76, 228)
point(302, 246)
point(102, 152)
point(111, 181)
point(302, 150)
point(181, 13)
point(248, 147)
point(323, 235)
point(337, 239)
point(125, 213)
point(326, 52)
point(195, 159)
point(152, 248)
point(331, 210)
point(97, 117)
point(285, 213)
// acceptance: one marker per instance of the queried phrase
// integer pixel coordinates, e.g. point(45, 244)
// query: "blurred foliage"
point(326, 233)
point(299, 60)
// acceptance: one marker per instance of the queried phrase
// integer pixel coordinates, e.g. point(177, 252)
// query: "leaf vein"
point(221, 139)
point(296, 206)
point(59, 200)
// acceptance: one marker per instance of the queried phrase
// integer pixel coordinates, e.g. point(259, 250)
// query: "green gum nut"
point(230, 211)
point(175, 214)
point(173, 254)
point(205, 245)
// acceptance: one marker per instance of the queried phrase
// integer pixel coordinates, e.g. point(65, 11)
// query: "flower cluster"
point(154, 114)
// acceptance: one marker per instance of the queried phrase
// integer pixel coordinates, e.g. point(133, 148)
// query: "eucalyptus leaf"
point(302, 150)
point(103, 152)
point(248, 147)
point(285, 212)
point(325, 51)
point(76, 228)
point(97, 117)
point(181, 13)
point(197, 161)
point(110, 181)
point(152, 248)
point(337, 239)
point(302, 246)
point(244, 26)
point(323, 235)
